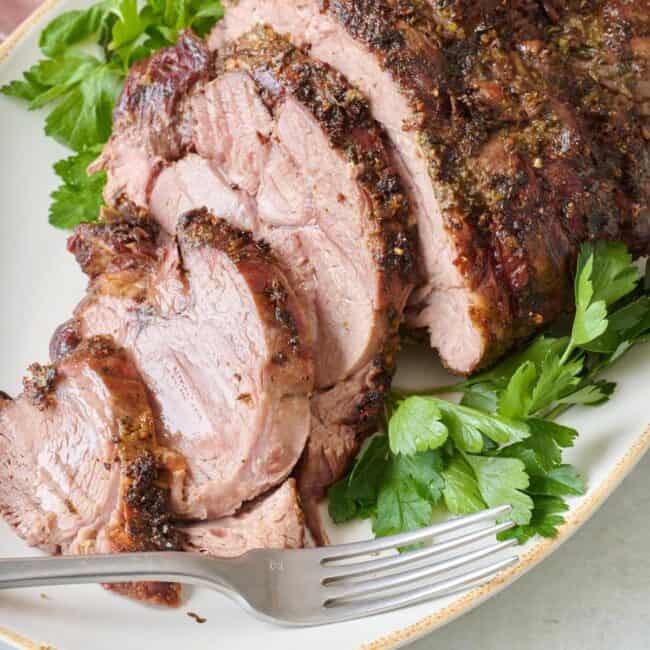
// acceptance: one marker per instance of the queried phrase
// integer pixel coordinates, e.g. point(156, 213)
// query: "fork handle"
point(168, 566)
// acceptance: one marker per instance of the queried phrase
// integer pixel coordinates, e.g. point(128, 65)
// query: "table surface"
point(590, 594)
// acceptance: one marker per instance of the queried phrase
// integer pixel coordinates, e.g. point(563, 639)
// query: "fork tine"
point(347, 551)
point(344, 571)
point(365, 587)
point(342, 610)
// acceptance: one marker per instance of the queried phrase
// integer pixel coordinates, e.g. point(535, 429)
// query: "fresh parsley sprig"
point(87, 56)
point(500, 443)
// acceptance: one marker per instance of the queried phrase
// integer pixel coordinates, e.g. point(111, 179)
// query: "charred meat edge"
point(144, 521)
point(493, 228)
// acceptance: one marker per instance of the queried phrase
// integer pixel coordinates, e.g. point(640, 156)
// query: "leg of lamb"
point(501, 169)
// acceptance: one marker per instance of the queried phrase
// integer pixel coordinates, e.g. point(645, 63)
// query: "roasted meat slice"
point(284, 146)
point(80, 467)
point(150, 118)
point(272, 521)
point(505, 174)
point(221, 341)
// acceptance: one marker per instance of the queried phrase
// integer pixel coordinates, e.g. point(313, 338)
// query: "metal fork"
point(306, 586)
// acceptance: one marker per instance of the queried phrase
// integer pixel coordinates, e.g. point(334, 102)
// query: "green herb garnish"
point(500, 444)
point(88, 54)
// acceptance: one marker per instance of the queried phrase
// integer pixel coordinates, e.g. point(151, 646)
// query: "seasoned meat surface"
point(151, 111)
point(217, 333)
point(81, 470)
point(285, 146)
point(509, 168)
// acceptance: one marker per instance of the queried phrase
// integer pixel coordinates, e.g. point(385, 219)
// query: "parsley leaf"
point(562, 480)
point(542, 451)
point(73, 27)
point(416, 426)
point(481, 396)
point(500, 481)
point(468, 425)
point(591, 314)
point(341, 507)
point(605, 275)
point(411, 485)
point(461, 491)
point(516, 400)
point(625, 324)
point(79, 198)
point(614, 274)
point(555, 380)
point(83, 118)
point(544, 520)
point(400, 507)
point(591, 394)
point(356, 494)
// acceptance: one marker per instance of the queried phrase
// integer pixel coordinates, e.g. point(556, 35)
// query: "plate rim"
point(463, 604)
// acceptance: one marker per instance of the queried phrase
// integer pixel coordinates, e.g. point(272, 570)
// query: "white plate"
point(40, 285)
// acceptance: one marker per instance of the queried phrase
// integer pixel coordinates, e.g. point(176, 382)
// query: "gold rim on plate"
point(472, 598)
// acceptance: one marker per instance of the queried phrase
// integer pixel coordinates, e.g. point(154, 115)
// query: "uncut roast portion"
point(280, 200)
point(521, 130)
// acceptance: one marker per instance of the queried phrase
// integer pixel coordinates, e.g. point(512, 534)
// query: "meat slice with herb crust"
point(221, 341)
point(81, 470)
point(149, 122)
point(505, 175)
point(283, 145)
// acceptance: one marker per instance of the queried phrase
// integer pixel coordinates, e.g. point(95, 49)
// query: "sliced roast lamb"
point(221, 341)
point(284, 146)
point(272, 521)
point(80, 467)
point(503, 194)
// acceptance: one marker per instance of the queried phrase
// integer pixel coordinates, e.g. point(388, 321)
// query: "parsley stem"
point(430, 391)
point(555, 413)
point(567, 353)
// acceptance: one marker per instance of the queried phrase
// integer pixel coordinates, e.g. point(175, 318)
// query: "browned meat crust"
point(39, 386)
point(154, 91)
point(519, 172)
point(143, 521)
